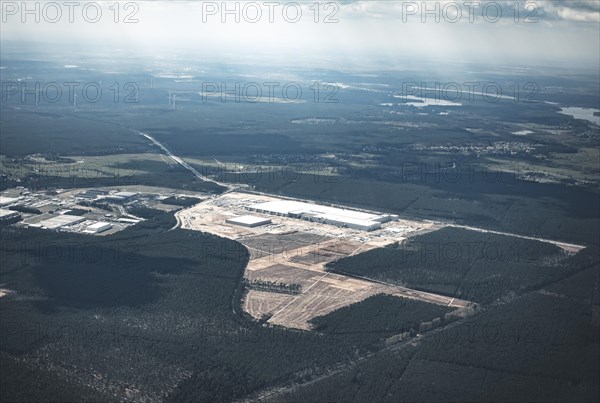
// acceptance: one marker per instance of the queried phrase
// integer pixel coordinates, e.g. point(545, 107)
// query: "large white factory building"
point(324, 214)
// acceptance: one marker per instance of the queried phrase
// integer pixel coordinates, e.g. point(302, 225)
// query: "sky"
point(541, 32)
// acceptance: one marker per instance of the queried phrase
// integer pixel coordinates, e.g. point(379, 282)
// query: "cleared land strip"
point(566, 246)
point(417, 294)
point(184, 164)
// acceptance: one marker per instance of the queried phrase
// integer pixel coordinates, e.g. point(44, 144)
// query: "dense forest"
point(536, 348)
point(153, 313)
point(466, 264)
point(371, 321)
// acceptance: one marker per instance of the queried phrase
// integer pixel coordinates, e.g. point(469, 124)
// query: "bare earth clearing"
point(293, 251)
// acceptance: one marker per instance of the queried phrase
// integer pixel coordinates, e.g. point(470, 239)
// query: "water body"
point(423, 101)
point(522, 132)
point(582, 113)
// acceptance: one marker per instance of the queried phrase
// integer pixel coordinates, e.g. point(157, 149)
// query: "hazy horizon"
point(401, 32)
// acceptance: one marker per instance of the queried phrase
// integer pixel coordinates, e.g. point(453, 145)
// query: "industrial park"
point(94, 211)
point(290, 241)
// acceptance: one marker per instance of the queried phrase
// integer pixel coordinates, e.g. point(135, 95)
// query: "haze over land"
point(400, 33)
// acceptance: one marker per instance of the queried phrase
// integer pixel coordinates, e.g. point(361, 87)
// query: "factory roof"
point(61, 221)
point(297, 207)
point(98, 225)
point(349, 220)
point(248, 220)
point(7, 200)
point(125, 194)
point(6, 213)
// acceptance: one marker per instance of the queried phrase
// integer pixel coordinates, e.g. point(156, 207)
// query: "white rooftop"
point(125, 194)
point(7, 200)
point(5, 212)
point(348, 220)
point(248, 220)
point(98, 225)
point(61, 221)
point(291, 206)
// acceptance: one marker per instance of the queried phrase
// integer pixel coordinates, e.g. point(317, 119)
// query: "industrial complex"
point(290, 242)
point(92, 211)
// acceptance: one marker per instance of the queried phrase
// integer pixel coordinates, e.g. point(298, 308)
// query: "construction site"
point(291, 241)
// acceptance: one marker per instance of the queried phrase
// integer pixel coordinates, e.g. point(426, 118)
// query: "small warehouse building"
point(249, 221)
point(98, 227)
point(9, 216)
point(91, 194)
point(5, 201)
point(126, 195)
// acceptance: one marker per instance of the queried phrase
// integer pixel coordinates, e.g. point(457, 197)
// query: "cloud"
point(577, 11)
point(474, 11)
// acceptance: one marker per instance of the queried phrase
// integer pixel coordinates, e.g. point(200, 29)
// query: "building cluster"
point(50, 211)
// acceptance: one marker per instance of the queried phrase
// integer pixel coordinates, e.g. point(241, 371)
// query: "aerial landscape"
point(313, 201)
